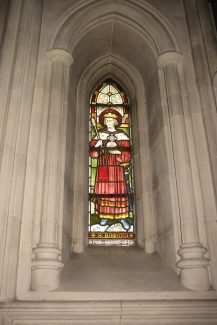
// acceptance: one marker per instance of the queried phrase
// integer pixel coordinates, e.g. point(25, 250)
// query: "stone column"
point(203, 52)
point(193, 264)
point(46, 266)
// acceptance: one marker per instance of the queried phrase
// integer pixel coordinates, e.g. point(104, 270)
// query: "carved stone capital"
point(59, 55)
point(168, 58)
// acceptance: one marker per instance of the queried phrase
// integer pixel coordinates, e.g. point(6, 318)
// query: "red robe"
point(110, 191)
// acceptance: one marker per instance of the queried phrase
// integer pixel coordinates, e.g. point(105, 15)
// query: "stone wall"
point(53, 54)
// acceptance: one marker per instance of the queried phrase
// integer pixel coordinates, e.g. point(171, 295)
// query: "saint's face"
point(110, 122)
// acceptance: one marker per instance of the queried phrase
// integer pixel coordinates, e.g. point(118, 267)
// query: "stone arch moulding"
point(154, 28)
point(122, 72)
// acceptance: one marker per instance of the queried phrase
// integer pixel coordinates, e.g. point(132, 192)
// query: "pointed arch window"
point(111, 185)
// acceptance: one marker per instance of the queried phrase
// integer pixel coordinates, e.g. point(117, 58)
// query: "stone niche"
point(81, 44)
point(148, 64)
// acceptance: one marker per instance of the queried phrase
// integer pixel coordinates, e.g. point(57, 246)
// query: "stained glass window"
point(111, 186)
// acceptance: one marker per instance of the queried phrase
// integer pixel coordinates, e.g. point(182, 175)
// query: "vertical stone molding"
point(146, 191)
point(193, 264)
point(214, 83)
point(46, 265)
point(18, 62)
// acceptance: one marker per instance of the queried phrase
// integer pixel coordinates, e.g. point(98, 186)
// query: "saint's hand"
point(98, 144)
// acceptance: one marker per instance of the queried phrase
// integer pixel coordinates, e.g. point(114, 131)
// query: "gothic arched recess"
point(134, 45)
point(100, 49)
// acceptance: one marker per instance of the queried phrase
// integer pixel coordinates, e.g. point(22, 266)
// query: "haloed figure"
point(112, 148)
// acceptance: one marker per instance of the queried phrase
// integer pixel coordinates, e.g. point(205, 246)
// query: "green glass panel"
point(93, 176)
point(94, 162)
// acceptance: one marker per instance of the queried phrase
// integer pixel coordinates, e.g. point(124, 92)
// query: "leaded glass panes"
point(111, 186)
point(109, 95)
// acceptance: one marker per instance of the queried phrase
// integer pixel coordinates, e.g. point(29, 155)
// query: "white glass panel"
point(113, 90)
point(105, 90)
point(102, 99)
point(116, 99)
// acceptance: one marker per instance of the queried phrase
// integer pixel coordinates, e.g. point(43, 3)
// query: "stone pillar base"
point(193, 265)
point(46, 268)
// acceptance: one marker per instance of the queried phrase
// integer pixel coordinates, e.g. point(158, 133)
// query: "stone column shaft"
point(193, 264)
point(182, 160)
point(51, 187)
point(46, 265)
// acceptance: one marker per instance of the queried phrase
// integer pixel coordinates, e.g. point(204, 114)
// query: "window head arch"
point(109, 93)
